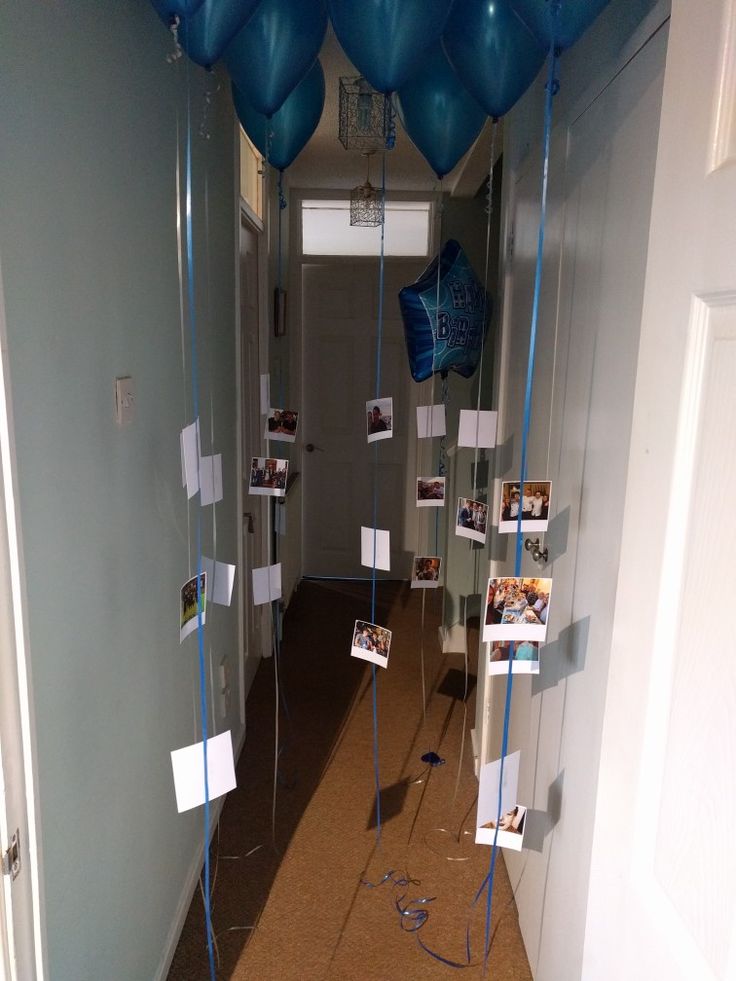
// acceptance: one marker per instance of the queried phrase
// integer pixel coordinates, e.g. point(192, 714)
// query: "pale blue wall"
point(88, 253)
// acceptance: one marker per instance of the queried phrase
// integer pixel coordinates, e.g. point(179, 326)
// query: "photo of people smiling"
point(533, 504)
point(282, 424)
point(472, 518)
point(371, 643)
point(517, 609)
point(430, 492)
point(426, 572)
point(526, 657)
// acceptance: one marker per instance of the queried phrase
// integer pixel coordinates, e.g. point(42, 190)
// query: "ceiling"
point(325, 164)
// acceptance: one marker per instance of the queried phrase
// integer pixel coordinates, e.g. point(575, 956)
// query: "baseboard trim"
point(190, 883)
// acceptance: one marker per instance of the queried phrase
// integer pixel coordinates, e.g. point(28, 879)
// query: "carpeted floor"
point(299, 911)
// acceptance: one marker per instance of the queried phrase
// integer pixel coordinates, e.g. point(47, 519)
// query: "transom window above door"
point(326, 229)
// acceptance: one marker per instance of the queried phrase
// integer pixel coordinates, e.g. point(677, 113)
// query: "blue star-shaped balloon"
point(448, 335)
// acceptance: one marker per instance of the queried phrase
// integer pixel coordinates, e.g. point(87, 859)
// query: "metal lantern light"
point(366, 203)
point(364, 116)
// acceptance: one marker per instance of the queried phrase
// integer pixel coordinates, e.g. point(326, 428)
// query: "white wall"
point(88, 246)
point(601, 178)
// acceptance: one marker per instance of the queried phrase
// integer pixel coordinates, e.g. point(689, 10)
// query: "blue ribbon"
point(551, 90)
point(200, 631)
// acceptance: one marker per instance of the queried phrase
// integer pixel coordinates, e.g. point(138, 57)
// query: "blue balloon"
point(291, 126)
point(441, 117)
point(574, 17)
point(448, 336)
point(206, 33)
point(493, 52)
point(274, 51)
point(166, 9)
point(386, 39)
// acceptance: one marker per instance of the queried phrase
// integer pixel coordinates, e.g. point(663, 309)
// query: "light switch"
point(124, 400)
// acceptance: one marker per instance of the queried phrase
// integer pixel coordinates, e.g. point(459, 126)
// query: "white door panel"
point(663, 895)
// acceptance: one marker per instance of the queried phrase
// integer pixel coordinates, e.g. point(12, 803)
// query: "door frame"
point(26, 947)
point(248, 221)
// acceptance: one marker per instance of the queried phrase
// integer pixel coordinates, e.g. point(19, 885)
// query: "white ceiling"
point(325, 164)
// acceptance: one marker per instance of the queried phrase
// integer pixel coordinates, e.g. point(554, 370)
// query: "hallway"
point(312, 918)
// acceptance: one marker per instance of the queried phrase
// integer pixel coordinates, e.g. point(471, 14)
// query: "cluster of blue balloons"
point(447, 63)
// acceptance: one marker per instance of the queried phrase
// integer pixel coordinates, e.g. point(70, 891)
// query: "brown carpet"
point(313, 918)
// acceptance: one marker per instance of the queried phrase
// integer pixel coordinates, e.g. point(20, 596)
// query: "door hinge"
point(11, 858)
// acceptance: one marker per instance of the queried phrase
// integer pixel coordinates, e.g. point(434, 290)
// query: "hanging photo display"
point(525, 659)
point(472, 519)
point(188, 608)
point(534, 504)
point(517, 609)
point(426, 572)
point(379, 419)
point(430, 492)
point(371, 643)
point(268, 476)
point(513, 815)
point(281, 424)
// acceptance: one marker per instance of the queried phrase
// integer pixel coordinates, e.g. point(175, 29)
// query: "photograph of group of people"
point(371, 643)
point(379, 415)
point(188, 609)
point(268, 476)
point(282, 424)
point(426, 572)
point(472, 519)
point(526, 657)
point(517, 609)
point(533, 505)
point(430, 492)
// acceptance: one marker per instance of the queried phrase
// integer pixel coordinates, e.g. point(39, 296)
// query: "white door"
point(663, 887)
point(339, 310)
point(255, 513)
point(19, 873)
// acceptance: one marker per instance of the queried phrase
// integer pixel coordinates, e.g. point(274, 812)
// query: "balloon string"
point(379, 340)
point(489, 211)
point(200, 631)
point(552, 88)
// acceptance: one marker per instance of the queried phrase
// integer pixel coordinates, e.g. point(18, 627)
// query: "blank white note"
point(382, 542)
point(210, 479)
point(431, 421)
point(188, 767)
point(477, 428)
point(267, 584)
point(219, 581)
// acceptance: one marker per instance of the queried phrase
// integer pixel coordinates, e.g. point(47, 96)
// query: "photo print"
point(472, 519)
point(371, 643)
point(513, 815)
point(379, 419)
point(516, 609)
point(534, 505)
point(426, 572)
point(188, 608)
point(526, 657)
point(430, 492)
point(268, 476)
point(281, 424)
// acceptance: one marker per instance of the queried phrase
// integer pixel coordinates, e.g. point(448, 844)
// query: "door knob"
point(310, 448)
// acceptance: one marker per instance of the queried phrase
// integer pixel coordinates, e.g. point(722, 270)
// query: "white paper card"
point(267, 584)
point(512, 814)
point(431, 421)
point(382, 547)
point(210, 479)
point(265, 394)
point(190, 453)
point(484, 421)
point(220, 581)
point(188, 767)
